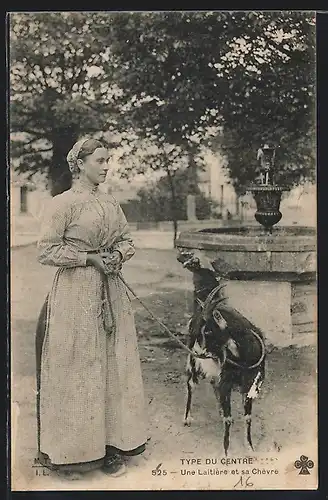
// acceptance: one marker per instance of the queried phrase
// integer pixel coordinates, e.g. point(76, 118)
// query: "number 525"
point(158, 471)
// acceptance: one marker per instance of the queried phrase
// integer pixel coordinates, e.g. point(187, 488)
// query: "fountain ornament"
point(266, 193)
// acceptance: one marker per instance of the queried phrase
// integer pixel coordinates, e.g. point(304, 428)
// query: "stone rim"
point(223, 241)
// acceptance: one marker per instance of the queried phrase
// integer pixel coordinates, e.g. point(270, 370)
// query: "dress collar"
point(84, 186)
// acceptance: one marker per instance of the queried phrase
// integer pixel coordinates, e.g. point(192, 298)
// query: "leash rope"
point(168, 331)
point(205, 306)
point(255, 365)
point(183, 346)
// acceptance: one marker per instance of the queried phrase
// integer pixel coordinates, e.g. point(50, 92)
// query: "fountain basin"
point(271, 278)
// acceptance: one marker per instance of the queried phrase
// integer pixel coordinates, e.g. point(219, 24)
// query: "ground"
point(284, 414)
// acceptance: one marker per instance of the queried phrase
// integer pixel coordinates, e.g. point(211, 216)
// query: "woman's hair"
point(80, 150)
point(89, 147)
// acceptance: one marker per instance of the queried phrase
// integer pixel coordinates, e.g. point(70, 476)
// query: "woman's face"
point(95, 166)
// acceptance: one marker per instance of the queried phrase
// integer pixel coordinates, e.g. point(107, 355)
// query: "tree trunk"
point(237, 205)
point(59, 174)
point(174, 206)
point(175, 231)
point(193, 173)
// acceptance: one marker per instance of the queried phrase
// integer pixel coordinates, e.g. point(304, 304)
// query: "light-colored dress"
point(91, 383)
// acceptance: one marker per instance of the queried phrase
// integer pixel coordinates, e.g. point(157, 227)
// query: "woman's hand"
point(113, 261)
point(98, 262)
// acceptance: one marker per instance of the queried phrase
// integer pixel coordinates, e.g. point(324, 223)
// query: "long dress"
point(91, 391)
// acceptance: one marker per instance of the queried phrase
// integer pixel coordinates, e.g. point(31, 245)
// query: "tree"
point(163, 98)
point(179, 76)
point(144, 156)
point(59, 89)
point(274, 99)
point(253, 73)
point(156, 201)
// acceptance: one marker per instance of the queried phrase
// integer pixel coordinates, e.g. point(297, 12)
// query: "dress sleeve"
point(124, 243)
point(53, 249)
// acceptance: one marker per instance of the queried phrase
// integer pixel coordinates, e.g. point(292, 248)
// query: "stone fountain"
point(270, 271)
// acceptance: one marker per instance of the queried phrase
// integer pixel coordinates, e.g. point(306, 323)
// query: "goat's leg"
point(223, 395)
point(248, 403)
point(192, 380)
point(226, 407)
point(249, 393)
point(190, 388)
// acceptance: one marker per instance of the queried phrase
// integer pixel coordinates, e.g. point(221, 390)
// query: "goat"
point(229, 349)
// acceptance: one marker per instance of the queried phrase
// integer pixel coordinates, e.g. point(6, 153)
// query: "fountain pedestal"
point(271, 279)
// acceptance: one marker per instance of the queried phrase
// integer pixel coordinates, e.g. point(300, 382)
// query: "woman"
point(91, 400)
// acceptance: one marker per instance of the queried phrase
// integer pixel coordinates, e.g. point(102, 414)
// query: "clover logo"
point(304, 464)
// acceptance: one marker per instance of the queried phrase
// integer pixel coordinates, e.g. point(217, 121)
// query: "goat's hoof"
point(187, 421)
point(249, 448)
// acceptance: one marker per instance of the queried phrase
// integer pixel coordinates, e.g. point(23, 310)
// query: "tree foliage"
point(59, 89)
point(232, 79)
point(146, 156)
point(251, 72)
point(155, 200)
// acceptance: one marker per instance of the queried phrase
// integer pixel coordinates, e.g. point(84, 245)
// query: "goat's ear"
point(232, 347)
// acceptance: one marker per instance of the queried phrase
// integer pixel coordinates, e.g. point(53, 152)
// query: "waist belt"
point(100, 250)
